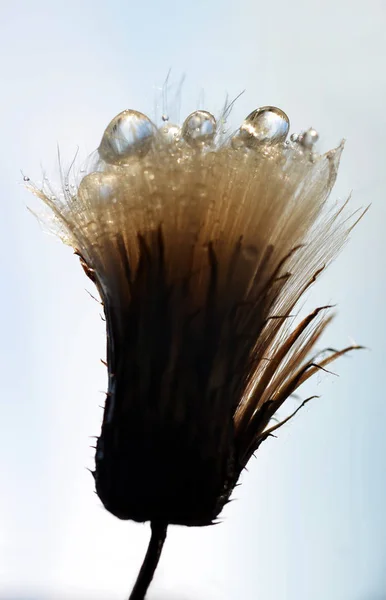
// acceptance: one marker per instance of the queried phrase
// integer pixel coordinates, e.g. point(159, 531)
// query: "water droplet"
point(309, 138)
point(91, 227)
point(170, 133)
point(26, 178)
point(294, 137)
point(98, 187)
point(199, 128)
point(165, 117)
point(129, 134)
point(266, 125)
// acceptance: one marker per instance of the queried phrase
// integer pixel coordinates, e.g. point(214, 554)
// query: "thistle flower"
point(200, 248)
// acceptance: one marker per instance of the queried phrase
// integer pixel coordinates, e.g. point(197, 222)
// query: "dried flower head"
point(200, 249)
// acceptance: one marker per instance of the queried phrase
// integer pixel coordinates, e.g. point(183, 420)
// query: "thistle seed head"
point(201, 249)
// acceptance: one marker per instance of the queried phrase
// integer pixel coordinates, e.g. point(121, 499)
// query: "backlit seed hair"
point(201, 249)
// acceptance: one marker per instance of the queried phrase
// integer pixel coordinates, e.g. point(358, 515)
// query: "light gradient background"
point(309, 522)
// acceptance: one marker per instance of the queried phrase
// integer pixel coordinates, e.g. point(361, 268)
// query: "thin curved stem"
point(150, 562)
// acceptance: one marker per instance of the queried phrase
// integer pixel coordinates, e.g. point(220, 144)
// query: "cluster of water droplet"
point(307, 139)
point(132, 134)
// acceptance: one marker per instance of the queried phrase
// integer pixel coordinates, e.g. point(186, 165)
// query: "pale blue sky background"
point(309, 521)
